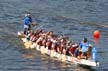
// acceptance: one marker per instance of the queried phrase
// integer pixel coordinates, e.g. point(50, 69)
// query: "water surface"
point(73, 18)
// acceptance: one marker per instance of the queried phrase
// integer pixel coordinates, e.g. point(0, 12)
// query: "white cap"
point(27, 15)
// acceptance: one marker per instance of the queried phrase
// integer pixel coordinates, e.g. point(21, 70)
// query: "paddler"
point(84, 46)
point(71, 49)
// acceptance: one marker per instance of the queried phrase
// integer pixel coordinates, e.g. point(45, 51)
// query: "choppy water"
point(74, 18)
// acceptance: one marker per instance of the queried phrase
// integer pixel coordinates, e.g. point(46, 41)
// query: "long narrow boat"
point(58, 56)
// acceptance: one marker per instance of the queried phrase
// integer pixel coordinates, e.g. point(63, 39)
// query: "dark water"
point(73, 18)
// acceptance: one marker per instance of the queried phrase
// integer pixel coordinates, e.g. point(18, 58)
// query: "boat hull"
point(58, 56)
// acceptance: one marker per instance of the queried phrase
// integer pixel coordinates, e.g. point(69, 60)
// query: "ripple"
point(73, 18)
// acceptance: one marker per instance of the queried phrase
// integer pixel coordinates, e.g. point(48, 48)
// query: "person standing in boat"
point(27, 23)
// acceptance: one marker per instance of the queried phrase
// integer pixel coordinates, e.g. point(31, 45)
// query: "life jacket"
point(44, 42)
point(67, 51)
point(58, 48)
point(84, 47)
point(49, 43)
point(62, 47)
point(54, 43)
point(72, 50)
point(39, 41)
point(27, 20)
point(73, 47)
